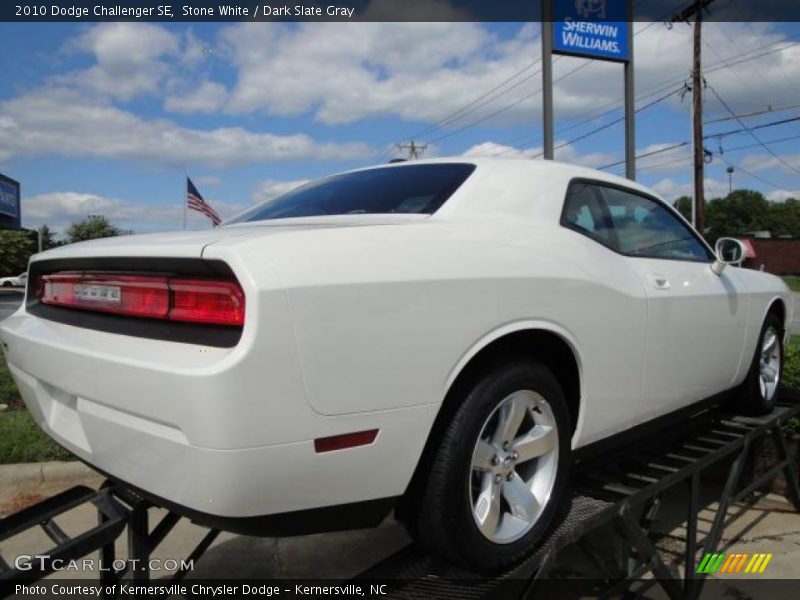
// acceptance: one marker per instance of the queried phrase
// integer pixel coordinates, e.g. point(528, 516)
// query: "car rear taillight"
point(212, 301)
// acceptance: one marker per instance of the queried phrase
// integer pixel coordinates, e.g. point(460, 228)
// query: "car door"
point(696, 319)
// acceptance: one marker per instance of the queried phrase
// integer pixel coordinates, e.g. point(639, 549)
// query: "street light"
point(730, 180)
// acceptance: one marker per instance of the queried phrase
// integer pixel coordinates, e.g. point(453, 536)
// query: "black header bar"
point(365, 10)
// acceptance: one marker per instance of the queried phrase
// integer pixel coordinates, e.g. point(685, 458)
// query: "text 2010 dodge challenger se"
point(440, 334)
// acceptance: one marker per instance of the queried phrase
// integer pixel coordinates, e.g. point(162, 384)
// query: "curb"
point(30, 475)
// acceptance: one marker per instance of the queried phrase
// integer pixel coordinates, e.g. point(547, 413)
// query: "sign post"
point(547, 78)
point(595, 29)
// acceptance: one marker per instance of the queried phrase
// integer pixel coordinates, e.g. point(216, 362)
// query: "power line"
point(646, 154)
point(612, 123)
point(733, 72)
point(683, 144)
point(462, 112)
point(666, 162)
point(504, 108)
point(724, 134)
point(753, 175)
point(774, 60)
point(594, 115)
point(751, 132)
point(769, 109)
point(778, 141)
point(459, 113)
point(492, 95)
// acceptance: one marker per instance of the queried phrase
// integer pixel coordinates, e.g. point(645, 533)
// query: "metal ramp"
point(112, 518)
point(622, 489)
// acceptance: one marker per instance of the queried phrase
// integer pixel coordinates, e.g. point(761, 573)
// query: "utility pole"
point(630, 104)
point(414, 150)
point(697, 119)
point(696, 11)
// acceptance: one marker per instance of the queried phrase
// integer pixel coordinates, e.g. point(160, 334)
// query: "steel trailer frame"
point(622, 489)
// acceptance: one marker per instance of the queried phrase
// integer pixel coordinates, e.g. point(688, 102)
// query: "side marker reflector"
point(345, 440)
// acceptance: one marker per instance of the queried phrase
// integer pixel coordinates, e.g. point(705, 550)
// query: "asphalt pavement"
point(10, 299)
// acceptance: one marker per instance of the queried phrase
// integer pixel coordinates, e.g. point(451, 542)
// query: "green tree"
point(92, 228)
point(738, 213)
point(16, 248)
point(783, 218)
point(684, 206)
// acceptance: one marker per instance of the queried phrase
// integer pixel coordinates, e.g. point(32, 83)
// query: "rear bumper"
point(217, 432)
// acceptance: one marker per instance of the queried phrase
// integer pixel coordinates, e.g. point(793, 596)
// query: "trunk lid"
point(190, 244)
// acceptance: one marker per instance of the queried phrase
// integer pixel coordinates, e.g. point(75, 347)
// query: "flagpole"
point(185, 187)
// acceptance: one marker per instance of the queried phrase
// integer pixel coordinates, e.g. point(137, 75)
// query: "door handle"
point(659, 282)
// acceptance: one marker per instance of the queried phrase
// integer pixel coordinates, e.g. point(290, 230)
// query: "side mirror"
point(729, 251)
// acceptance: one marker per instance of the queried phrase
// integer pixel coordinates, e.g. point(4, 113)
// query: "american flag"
point(196, 202)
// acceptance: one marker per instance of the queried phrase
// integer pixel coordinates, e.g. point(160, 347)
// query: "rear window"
point(410, 189)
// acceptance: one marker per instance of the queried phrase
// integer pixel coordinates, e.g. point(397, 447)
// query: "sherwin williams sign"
point(9, 197)
point(591, 28)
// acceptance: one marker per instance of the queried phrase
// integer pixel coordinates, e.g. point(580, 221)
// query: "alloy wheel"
point(770, 363)
point(514, 466)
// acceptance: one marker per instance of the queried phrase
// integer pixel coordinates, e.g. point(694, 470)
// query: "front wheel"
point(760, 389)
point(500, 470)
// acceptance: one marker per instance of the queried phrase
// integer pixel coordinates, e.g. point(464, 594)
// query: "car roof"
point(515, 186)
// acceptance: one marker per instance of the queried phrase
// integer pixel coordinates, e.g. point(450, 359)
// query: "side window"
point(584, 211)
point(644, 227)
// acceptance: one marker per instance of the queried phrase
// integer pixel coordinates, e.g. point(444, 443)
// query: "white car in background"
point(19, 281)
point(440, 335)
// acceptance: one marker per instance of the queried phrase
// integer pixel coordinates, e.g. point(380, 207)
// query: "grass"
point(22, 441)
point(791, 363)
point(8, 389)
point(793, 281)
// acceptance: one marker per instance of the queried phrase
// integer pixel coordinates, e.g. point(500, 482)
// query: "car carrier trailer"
point(622, 488)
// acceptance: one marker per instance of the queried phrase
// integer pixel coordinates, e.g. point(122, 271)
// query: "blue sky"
point(107, 118)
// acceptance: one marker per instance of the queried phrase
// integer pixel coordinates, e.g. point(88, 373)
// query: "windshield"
point(409, 189)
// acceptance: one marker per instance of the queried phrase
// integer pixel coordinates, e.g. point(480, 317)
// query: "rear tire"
point(499, 472)
point(761, 386)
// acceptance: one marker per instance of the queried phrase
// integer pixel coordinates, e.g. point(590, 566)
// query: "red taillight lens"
point(207, 301)
point(218, 302)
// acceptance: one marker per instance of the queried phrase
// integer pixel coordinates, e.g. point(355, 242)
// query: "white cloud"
point(669, 158)
point(208, 180)
point(128, 59)
point(763, 162)
point(671, 189)
point(783, 195)
point(206, 97)
point(499, 150)
point(194, 50)
point(567, 153)
point(343, 72)
point(349, 71)
point(59, 209)
point(59, 122)
point(272, 189)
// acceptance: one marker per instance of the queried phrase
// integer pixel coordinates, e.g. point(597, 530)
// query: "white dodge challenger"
point(439, 336)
